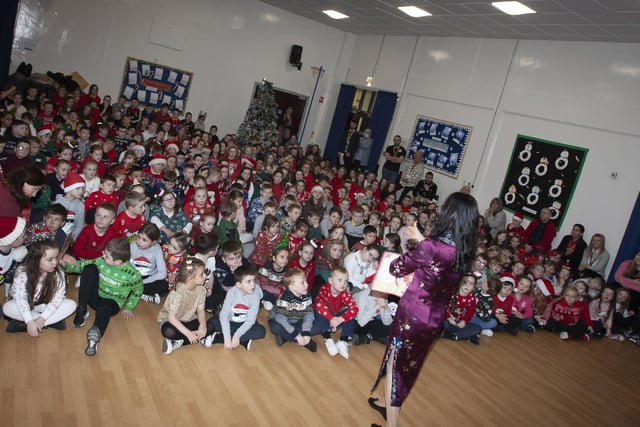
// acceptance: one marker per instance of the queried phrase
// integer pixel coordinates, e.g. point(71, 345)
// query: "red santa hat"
point(157, 159)
point(45, 129)
point(11, 228)
point(508, 277)
point(172, 145)
point(72, 181)
point(566, 266)
point(545, 286)
point(518, 216)
point(553, 254)
point(138, 147)
point(317, 188)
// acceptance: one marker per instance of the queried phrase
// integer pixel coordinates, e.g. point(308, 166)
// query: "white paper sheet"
point(146, 70)
point(179, 91)
point(142, 96)
point(172, 77)
point(133, 64)
point(153, 98)
point(179, 104)
point(167, 99)
point(128, 91)
point(185, 79)
point(158, 74)
point(133, 78)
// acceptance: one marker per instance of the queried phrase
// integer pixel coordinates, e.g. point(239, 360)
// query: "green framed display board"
point(542, 174)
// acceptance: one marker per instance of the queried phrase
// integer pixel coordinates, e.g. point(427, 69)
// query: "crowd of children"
point(145, 206)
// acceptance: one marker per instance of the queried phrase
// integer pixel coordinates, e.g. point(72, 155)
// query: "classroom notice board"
point(542, 174)
point(443, 144)
point(155, 84)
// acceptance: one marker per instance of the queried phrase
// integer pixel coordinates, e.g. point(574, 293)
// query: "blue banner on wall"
point(155, 84)
point(443, 144)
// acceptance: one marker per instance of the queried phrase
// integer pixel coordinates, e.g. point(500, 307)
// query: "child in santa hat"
point(73, 186)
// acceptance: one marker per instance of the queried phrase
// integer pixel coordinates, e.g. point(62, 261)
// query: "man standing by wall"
point(395, 155)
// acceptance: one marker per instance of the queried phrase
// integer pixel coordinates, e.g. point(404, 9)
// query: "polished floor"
point(529, 380)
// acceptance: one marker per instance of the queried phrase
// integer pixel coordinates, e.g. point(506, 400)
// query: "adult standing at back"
point(394, 155)
point(363, 153)
point(495, 217)
point(349, 144)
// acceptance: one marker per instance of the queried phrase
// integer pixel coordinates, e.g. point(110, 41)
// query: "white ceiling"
point(581, 20)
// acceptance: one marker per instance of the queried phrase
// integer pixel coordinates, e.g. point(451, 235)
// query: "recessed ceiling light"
point(414, 12)
point(512, 7)
point(334, 14)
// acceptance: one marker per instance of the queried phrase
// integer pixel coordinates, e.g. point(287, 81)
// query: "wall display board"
point(542, 174)
point(155, 84)
point(443, 144)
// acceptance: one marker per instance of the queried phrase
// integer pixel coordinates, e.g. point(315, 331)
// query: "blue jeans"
point(484, 324)
point(524, 323)
point(321, 326)
point(469, 330)
point(390, 176)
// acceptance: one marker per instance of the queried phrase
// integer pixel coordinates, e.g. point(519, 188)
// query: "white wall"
point(576, 93)
point(227, 44)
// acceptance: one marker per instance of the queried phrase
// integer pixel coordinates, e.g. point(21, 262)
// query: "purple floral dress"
point(421, 312)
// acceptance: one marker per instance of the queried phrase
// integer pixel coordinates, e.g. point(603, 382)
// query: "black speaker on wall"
point(295, 56)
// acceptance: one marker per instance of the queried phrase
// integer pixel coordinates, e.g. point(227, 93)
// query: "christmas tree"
point(261, 120)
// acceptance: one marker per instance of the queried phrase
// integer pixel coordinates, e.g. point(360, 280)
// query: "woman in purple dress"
point(437, 263)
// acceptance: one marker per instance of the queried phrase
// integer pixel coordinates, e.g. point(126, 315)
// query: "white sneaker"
point(208, 340)
point(267, 305)
point(487, 332)
point(169, 345)
point(343, 349)
point(564, 335)
point(155, 298)
point(332, 348)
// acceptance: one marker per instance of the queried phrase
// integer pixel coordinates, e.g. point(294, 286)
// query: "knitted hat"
point(518, 217)
point(11, 228)
point(157, 159)
point(45, 129)
point(72, 181)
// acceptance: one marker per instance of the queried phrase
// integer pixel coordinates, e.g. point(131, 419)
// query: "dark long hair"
point(15, 180)
point(32, 267)
point(459, 216)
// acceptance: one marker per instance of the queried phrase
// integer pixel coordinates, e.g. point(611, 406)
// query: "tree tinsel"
point(261, 119)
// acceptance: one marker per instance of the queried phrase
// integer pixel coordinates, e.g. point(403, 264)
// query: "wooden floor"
point(529, 380)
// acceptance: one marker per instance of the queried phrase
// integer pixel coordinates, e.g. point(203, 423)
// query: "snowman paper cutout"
point(555, 209)
point(510, 197)
point(563, 161)
point(542, 167)
point(556, 189)
point(523, 179)
point(534, 196)
point(525, 154)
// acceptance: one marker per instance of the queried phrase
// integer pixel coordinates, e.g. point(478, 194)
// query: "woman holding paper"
point(437, 263)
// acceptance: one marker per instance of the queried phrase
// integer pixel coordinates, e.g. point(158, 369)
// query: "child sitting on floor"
point(461, 309)
point(292, 318)
point(334, 308)
point(182, 317)
point(568, 316)
point(237, 319)
point(107, 283)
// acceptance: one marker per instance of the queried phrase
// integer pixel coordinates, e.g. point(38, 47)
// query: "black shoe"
point(474, 340)
point(513, 331)
point(375, 425)
point(312, 346)
point(81, 317)
point(60, 326)
point(279, 341)
point(449, 335)
point(380, 409)
point(16, 326)
point(356, 339)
